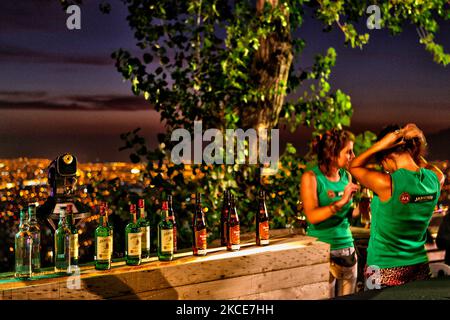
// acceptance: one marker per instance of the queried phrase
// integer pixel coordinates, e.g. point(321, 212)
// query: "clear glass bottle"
point(165, 235)
point(144, 224)
point(35, 231)
point(103, 242)
point(133, 240)
point(23, 243)
point(62, 244)
point(199, 244)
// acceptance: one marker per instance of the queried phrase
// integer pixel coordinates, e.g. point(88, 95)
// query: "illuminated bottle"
point(35, 231)
point(174, 222)
point(165, 235)
point(199, 244)
point(133, 239)
point(233, 228)
point(23, 249)
point(144, 224)
point(262, 222)
point(103, 242)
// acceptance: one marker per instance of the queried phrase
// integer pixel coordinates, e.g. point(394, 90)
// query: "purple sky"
point(60, 91)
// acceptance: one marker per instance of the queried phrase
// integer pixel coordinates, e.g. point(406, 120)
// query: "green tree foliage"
point(231, 64)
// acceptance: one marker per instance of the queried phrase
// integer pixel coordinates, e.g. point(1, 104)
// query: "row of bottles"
point(137, 235)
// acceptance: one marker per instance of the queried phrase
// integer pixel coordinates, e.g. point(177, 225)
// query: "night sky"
point(60, 91)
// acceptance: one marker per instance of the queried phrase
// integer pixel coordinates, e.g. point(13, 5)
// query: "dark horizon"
point(60, 91)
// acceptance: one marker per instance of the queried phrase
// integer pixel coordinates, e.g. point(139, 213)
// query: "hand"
point(391, 140)
point(349, 192)
point(411, 131)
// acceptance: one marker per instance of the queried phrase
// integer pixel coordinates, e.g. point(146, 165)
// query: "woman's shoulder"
point(309, 174)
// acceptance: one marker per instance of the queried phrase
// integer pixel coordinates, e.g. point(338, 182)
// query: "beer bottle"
point(233, 228)
point(199, 244)
point(262, 222)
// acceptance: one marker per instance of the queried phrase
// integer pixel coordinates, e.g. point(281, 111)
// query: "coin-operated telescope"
point(62, 181)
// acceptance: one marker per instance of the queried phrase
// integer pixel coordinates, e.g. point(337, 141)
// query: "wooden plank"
point(312, 291)
point(239, 286)
point(292, 242)
point(6, 295)
point(257, 266)
point(214, 267)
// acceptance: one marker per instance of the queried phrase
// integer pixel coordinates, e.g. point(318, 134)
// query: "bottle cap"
point(141, 203)
point(165, 205)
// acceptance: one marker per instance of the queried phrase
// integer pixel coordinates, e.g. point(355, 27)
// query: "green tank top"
point(336, 229)
point(399, 225)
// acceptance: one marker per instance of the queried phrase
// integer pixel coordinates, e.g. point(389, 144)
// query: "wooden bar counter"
point(293, 266)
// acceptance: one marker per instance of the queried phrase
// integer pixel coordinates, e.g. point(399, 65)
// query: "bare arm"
point(313, 212)
point(378, 182)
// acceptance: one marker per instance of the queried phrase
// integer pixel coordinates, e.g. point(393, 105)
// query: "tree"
point(230, 64)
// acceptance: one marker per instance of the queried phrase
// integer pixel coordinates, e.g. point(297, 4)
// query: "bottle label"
point(73, 243)
point(134, 244)
point(167, 240)
point(145, 238)
point(264, 230)
point(200, 239)
point(235, 235)
point(104, 248)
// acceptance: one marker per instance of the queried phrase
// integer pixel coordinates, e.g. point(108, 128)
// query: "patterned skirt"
point(388, 277)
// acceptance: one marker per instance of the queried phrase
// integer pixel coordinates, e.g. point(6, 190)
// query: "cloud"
point(9, 53)
point(35, 15)
point(17, 100)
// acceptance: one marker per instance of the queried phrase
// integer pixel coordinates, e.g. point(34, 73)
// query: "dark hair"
point(415, 147)
point(327, 146)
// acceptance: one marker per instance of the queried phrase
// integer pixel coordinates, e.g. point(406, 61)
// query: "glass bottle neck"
point(23, 219)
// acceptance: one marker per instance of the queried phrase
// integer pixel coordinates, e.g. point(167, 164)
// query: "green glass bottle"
point(23, 249)
point(35, 231)
point(133, 240)
point(74, 245)
point(144, 224)
point(165, 235)
point(103, 242)
point(62, 244)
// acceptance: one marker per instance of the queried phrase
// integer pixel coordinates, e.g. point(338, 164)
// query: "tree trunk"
point(270, 71)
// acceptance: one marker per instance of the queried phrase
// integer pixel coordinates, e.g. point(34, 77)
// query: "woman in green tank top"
point(327, 192)
point(406, 195)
